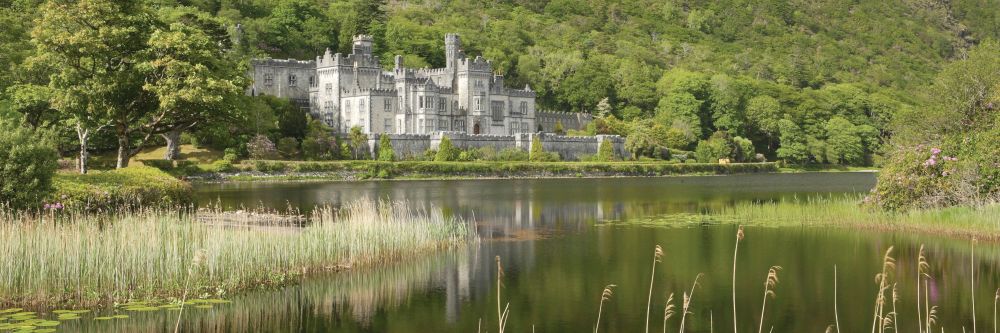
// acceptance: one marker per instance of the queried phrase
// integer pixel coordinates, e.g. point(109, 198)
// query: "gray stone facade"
point(353, 90)
point(547, 120)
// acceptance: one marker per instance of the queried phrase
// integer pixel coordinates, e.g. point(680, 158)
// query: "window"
point(388, 126)
point(268, 79)
point(399, 126)
point(443, 125)
point(478, 103)
point(361, 106)
point(454, 107)
point(292, 80)
point(525, 128)
point(363, 124)
point(442, 104)
point(329, 88)
point(496, 110)
point(388, 105)
point(430, 126)
point(460, 125)
point(312, 81)
point(524, 107)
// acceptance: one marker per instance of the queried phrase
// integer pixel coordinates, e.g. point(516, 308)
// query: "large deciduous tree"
point(93, 48)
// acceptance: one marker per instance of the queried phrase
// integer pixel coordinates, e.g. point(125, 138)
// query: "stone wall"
point(569, 148)
point(547, 120)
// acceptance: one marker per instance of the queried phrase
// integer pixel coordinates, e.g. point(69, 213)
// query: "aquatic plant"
point(668, 311)
point(657, 254)
point(736, 249)
point(972, 285)
point(769, 284)
point(688, 296)
point(501, 315)
point(86, 259)
point(605, 296)
point(882, 279)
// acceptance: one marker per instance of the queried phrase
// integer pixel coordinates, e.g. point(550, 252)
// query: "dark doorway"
point(475, 129)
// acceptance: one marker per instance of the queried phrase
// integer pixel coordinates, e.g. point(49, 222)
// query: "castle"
point(353, 91)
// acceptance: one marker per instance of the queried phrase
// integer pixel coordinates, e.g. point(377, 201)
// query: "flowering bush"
point(261, 148)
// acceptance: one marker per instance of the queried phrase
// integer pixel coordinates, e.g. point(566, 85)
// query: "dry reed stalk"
point(685, 310)
point(196, 262)
point(736, 249)
point(972, 276)
point(996, 298)
point(888, 263)
point(836, 315)
point(922, 268)
point(668, 311)
point(605, 296)
point(657, 254)
point(501, 315)
point(769, 284)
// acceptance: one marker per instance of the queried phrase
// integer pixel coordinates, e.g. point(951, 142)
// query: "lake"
point(561, 241)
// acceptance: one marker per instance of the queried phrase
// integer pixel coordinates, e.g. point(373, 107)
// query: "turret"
point(452, 50)
point(362, 45)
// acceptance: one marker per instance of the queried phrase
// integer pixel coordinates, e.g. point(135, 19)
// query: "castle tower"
point(362, 45)
point(452, 50)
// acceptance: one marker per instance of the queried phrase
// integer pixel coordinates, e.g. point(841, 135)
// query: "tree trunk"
point(123, 152)
point(173, 139)
point(82, 134)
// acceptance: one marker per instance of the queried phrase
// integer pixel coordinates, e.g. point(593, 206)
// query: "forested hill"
point(784, 74)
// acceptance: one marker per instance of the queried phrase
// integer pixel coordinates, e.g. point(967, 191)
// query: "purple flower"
point(935, 151)
point(48, 206)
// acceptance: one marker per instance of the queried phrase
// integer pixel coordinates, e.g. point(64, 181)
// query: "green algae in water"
point(203, 306)
point(142, 308)
point(48, 323)
point(13, 310)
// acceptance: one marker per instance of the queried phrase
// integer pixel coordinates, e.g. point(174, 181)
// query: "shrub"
point(717, 147)
point(446, 151)
point(513, 154)
point(261, 148)
point(127, 188)
point(289, 148)
point(385, 152)
point(559, 129)
point(358, 142)
point(231, 155)
point(27, 164)
point(606, 152)
point(537, 152)
point(318, 143)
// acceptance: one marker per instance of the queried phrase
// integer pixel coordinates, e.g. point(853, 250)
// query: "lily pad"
point(121, 316)
point(203, 306)
point(11, 310)
point(142, 308)
point(48, 323)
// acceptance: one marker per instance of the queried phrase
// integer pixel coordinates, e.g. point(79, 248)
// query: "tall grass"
point(86, 259)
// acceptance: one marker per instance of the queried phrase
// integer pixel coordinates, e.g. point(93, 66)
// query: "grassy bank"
point(135, 186)
point(88, 259)
point(349, 170)
point(981, 222)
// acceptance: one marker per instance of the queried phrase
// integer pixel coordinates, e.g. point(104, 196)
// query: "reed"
point(836, 314)
point(686, 306)
point(736, 249)
point(89, 259)
point(501, 315)
point(922, 268)
point(657, 254)
point(668, 311)
point(972, 285)
point(996, 297)
point(770, 283)
point(882, 279)
point(605, 296)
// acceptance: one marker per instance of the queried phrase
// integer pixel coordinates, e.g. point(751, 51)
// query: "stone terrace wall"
point(569, 148)
point(406, 146)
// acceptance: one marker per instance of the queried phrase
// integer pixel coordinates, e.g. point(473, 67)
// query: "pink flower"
point(935, 151)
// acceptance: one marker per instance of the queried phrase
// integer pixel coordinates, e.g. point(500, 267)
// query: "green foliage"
point(385, 152)
point(537, 152)
point(359, 142)
point(719, 146)
point(288, 148)
point(446, 151)
point(794, 143)
point(318, 143)
point(949, 152)
point(844, 143)
point(606, 152)
point(27, 164)
point(559, 128)
point(132, 187)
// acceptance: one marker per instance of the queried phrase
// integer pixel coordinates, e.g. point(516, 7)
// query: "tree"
point(844, 143)
point(681, 110)
point(93, 48)
point(385, 152)
point(289, 148)
point(359, 140)
point(318, 144)
point(446, 151)
point(27, 164)
point(606, 151)
point(194, 78)
point(794, 144)
point(744, 149)
point(717, 147)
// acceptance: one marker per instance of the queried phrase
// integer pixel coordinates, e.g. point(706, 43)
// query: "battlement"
point(307, 64)
point(476, 64)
